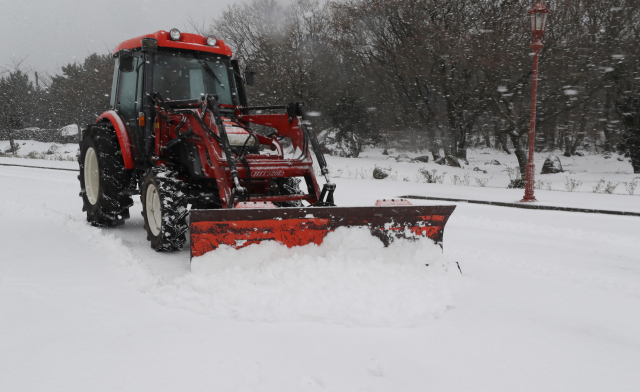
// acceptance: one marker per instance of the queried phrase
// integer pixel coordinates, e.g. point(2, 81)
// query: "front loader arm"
point(281, 123)
point(294, 126)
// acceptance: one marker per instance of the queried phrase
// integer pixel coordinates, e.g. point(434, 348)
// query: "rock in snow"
point(403, 158)
point(379, 173)
point(53, 149)
point(480, 170)
point(452, 161)
point(552, 165)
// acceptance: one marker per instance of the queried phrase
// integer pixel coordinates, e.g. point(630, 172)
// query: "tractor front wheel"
point(164, 208)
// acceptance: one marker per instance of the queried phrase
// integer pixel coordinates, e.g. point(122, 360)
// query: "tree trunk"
point(501, 139)
point(461, 146)
point(434, 146)
point(14, 146)
point(447, 144)
point(567, 145)
point(521, 154)
point(485, 134)
point(607, 126)
point(552, 139)
point(581, 133)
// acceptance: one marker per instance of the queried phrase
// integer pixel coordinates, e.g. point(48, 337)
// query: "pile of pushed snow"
point(350, 279)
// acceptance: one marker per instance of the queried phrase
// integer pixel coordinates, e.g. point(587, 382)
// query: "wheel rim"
point(91, 175)
point(154, 212)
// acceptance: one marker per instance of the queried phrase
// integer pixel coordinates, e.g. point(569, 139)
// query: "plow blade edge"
point(304, 225)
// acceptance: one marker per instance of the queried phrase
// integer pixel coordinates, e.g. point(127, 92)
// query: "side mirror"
point(126, 61)
point(249, 75)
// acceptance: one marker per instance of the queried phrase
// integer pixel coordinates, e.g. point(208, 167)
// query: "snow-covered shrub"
point(465, 180)
point(602, 187)
point(34, 155)
point(515, 181)
point(517, 184)
point(364, 173)
point(610, 187)
point(571, 184)
point(432, 176)
point(631, 186)
point(456, 179)
point(483, 181)
point(599, 186)
point(542, 185)
point(342, 144)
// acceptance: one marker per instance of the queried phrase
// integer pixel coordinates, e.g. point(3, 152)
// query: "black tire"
point(165, 228)
point(105, 204)
point(288, 186)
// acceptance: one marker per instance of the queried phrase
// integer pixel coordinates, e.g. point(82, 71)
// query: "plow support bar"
point(304, 225)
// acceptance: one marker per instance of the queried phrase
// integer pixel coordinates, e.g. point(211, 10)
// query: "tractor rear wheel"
point(164, 208)
point(103, 178)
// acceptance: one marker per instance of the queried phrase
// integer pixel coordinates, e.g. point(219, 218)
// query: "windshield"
point(191, 75)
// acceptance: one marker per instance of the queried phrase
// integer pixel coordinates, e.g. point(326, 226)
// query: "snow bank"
point(69, 130)
point(350, 279)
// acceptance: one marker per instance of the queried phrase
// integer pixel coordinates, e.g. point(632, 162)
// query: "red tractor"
point(179, 133)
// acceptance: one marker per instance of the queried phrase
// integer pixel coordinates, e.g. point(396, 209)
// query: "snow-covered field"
point(589, 170)
point(547, 300)
point(31, 149)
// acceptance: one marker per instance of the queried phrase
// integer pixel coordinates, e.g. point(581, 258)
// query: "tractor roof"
point(187, 41)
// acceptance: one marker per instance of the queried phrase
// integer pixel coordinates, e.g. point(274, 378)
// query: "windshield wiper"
point(209, 70)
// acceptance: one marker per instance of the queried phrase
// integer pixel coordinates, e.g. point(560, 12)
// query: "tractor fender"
point(121, 131)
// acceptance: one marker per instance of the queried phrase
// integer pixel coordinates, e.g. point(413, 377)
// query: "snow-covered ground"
point(32, 149)
point(586, 172)
point(589, 170)
point(547, 300)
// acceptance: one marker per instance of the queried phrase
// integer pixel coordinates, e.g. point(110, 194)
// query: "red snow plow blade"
point(297, 226)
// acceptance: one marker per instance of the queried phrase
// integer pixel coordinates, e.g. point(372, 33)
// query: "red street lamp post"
point(538, 17)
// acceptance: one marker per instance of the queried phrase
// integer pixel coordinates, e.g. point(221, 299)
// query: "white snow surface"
point(547, 300)
point(351, 278)
point(71, 129)
point(58, 151)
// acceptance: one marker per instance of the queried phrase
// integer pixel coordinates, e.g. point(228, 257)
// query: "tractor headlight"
point(212, 41)
point(174, 34)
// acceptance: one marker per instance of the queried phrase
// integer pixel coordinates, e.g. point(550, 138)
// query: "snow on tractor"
point(179, 133)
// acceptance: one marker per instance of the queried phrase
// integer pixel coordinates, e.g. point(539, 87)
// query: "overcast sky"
point(49, 34)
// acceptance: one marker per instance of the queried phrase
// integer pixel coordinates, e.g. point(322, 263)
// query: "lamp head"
point(538, 17)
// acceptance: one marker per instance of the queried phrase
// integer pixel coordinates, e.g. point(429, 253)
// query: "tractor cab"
point(180, 68)
point(180, 75)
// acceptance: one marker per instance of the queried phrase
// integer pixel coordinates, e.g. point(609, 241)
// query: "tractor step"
point(297, 226)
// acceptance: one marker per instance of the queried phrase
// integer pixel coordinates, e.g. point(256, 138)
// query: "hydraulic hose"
point(238, 191)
